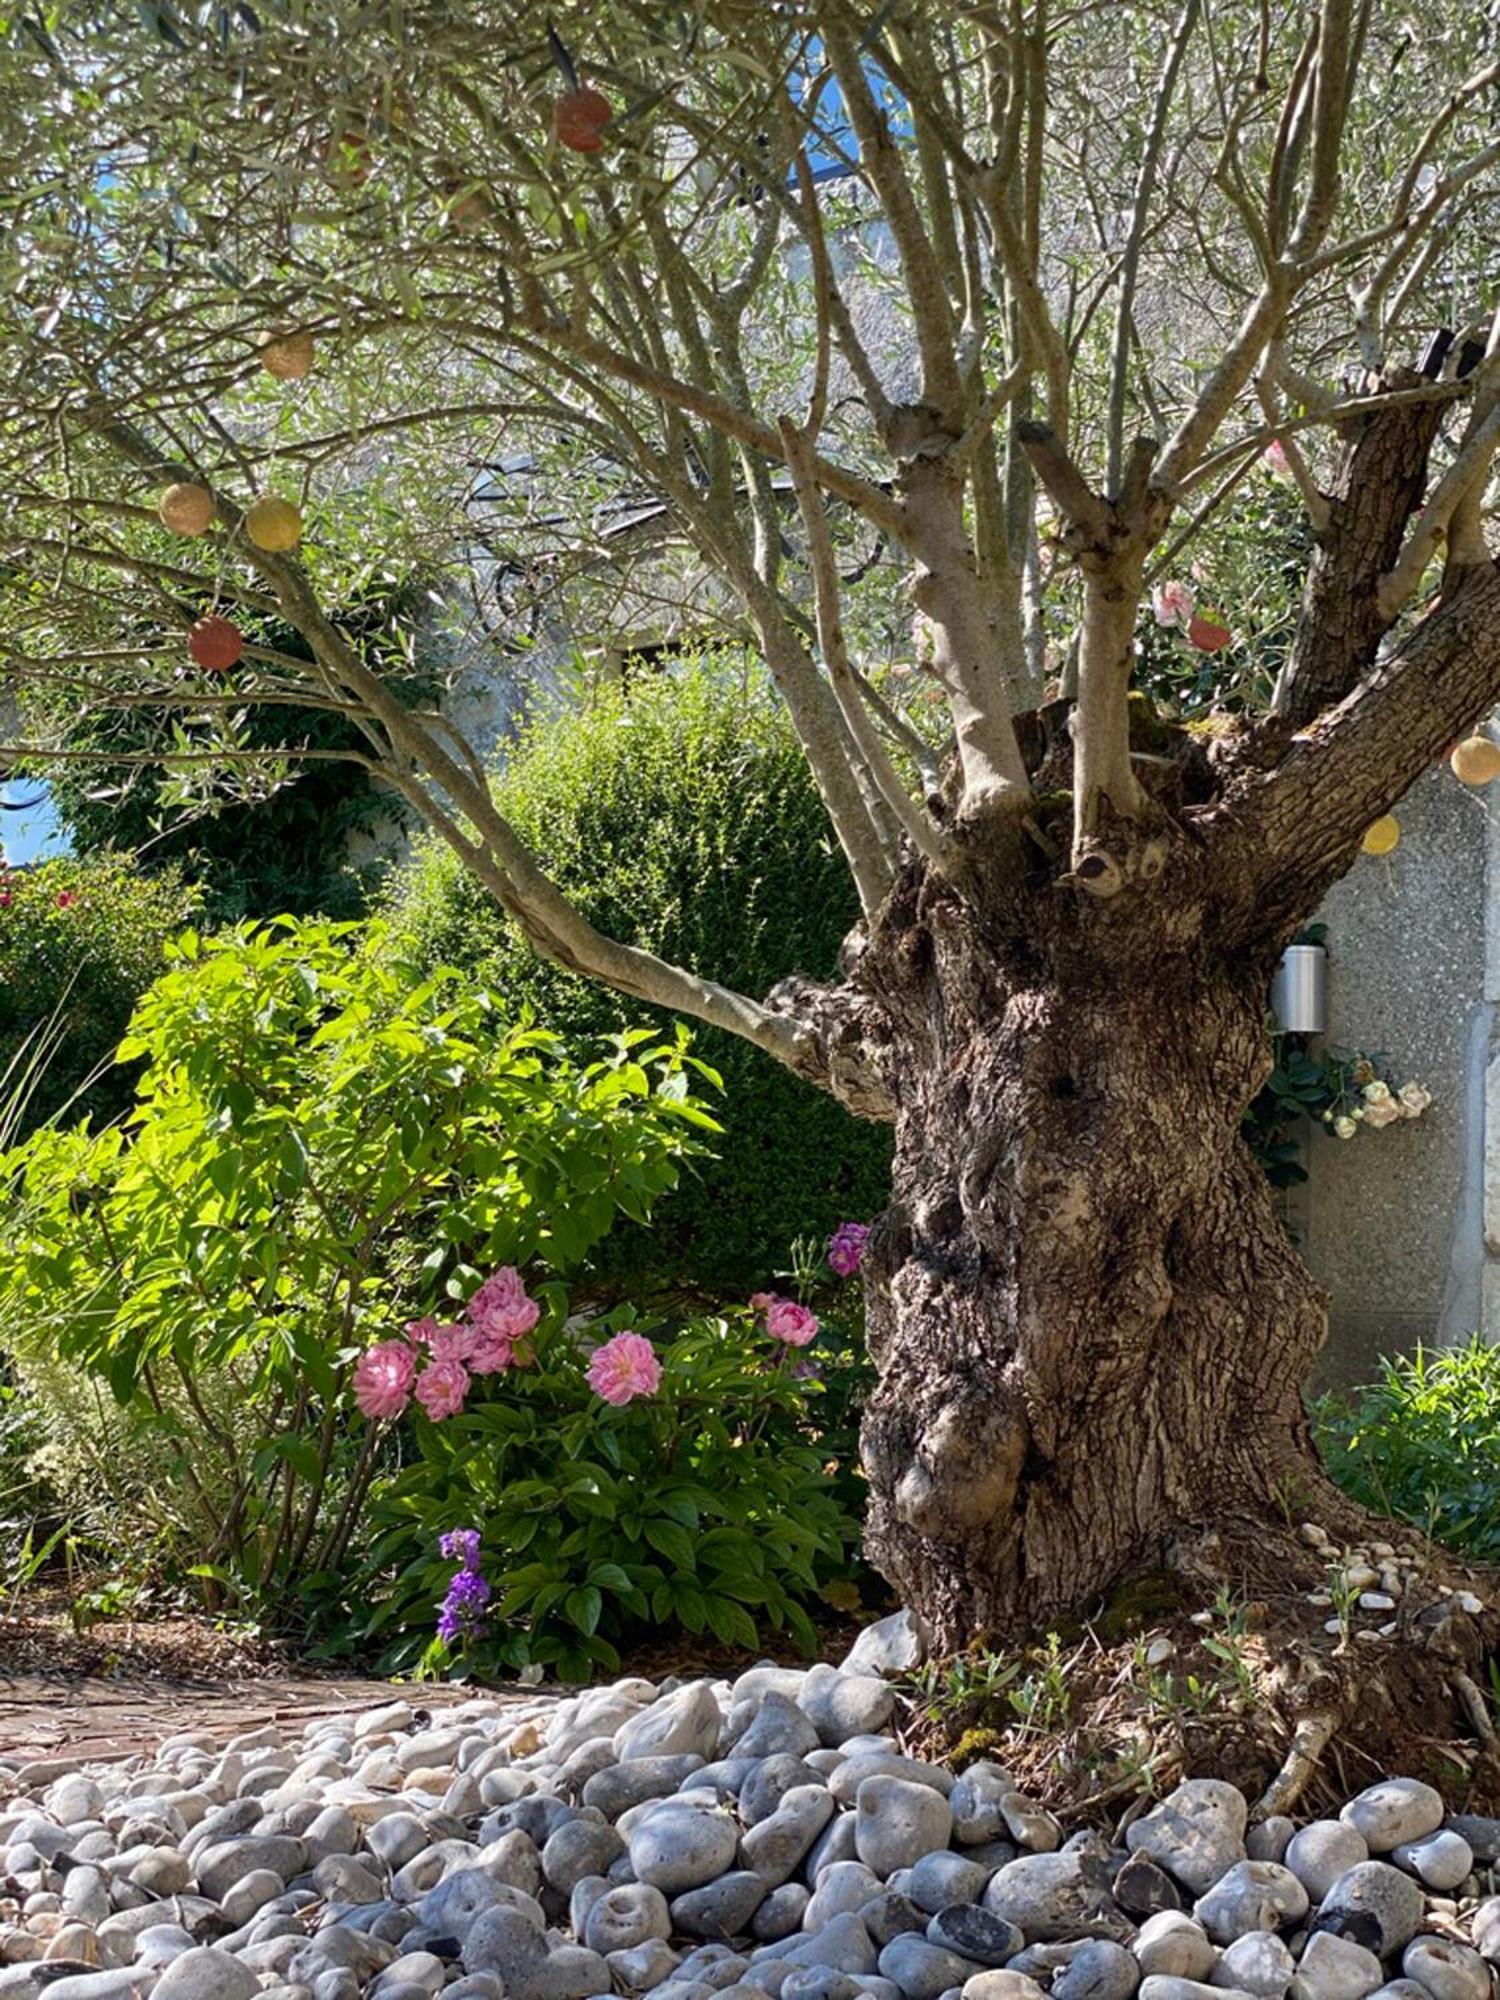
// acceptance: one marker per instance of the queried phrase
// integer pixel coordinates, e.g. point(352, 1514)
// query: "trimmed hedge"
point(681, 816)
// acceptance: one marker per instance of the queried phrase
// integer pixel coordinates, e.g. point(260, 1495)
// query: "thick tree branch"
point(880, 160)
point(1285, 835)
point(914, 822)
point(1381, 472)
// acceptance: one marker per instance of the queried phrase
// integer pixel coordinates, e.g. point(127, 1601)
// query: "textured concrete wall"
point(1393, 1221)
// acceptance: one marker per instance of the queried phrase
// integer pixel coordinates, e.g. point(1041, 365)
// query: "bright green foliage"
point(717, 1504)
point(324, 1148)
point(79, 940)
point(681, 816)
point(1423, 1443)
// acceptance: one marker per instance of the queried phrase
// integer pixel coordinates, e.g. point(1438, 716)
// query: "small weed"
point(1044, 1700)
point(950, 1691)
point(1230, 1648)
point(1345, 1596)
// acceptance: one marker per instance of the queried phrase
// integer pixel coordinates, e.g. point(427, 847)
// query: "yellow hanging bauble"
point(274, 524)
point(1383, 837)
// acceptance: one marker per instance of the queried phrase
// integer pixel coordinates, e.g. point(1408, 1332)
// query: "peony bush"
point(317, 1138)
point(622, 1476)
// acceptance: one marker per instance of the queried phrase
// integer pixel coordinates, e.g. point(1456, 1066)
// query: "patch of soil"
point(1224, 1667)
point(124, 1686)
point(189, 1652)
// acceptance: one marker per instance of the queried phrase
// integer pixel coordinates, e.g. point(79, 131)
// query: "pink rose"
point(762, 1301)
point(624, 1368)
point(501, 1310)
point(794, 1324)
point(1276, 458)
point(441, 1388)
point(383, 1378)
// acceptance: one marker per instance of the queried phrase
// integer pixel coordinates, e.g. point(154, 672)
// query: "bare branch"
point(1130, 261)
point(914, 822)
point(500, 858)
point(1062, 482)
point(1467, 471)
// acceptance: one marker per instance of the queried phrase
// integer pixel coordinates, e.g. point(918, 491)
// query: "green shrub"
point(1423, 1443)
point(681, 816)
point(80, 939)
point(322, 1146)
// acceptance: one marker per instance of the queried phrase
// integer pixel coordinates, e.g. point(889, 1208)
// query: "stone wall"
point(1403, 1225)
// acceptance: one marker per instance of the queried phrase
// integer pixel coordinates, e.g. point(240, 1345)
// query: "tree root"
point(1310, 1739)
point(1475, 1707)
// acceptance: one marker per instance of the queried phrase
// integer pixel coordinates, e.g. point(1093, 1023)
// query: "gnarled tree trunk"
point(1091, 1328)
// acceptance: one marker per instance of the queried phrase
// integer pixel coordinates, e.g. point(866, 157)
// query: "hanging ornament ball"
point(215, 642)
point(287, 356)
point(1207, 634)
point(579, 117)
point(274, 524)
point(1476, 761)
point(186, 509)
point(1384, 836)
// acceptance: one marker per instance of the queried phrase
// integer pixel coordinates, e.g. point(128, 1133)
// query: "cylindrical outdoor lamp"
point(1299, 992)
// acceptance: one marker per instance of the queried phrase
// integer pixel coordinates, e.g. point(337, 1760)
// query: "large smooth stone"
point(1049, 1896)
point(897, 1822)
point(1321, 1851)
point(1252, 1896)
point(1375, 1905)
point(1394, 1811)
point(1446, 1969)
point(679, 1847)
point(1197, 1833)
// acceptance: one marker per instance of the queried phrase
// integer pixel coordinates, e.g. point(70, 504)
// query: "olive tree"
point(806, 315)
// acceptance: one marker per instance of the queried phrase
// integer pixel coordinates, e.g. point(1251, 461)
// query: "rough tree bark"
point(1090, 1326)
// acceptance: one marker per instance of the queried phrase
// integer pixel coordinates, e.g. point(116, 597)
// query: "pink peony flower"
point(796, 1325)
point(491, 1354)
point(453, 1343)
point(1172, 603)
point(444, 1343)
point(383, 1378)
point(624, 1368)
point(501, 1310)
point(846, 1248)
point(762, 1301)
point(1276, 458)
point(441, 1388)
